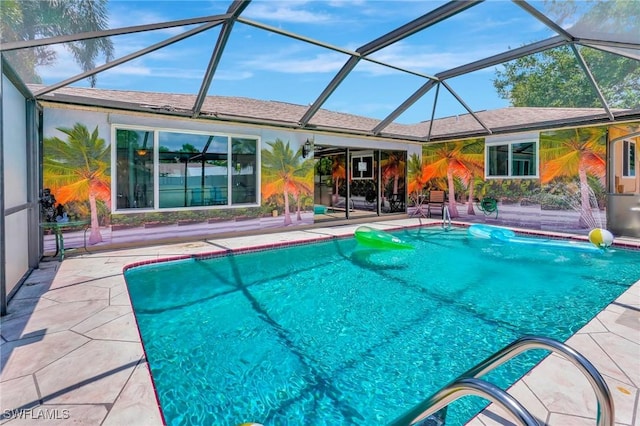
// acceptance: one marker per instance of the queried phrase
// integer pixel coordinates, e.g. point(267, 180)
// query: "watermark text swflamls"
point(39, 413)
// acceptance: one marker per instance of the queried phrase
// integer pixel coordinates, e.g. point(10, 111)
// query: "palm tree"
point(393, 167)
point(78, 170)
point(415, 183)
point(338, 172)
point(473, 158)
point(304, 186)
point(453, 159)
point(283, 173)
point(571, 153)
point(28, 20)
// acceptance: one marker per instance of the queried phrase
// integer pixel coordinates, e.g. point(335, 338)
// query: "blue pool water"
point(336, 334)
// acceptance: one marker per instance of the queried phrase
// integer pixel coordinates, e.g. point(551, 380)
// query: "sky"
point(263, 65)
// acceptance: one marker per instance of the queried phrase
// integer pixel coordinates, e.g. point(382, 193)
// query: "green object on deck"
point(489, 205)
point(319, 209)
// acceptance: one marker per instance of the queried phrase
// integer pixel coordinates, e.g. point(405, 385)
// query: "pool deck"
point(71, 351)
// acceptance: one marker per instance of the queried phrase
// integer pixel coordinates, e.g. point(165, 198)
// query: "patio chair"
point(436, 202)
point(396, 203)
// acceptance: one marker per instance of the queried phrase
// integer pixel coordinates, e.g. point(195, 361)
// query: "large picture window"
point(186, 170)
point(629, 159)
point(512, 159)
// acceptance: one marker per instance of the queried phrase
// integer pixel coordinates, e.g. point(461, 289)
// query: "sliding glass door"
point(353, 183)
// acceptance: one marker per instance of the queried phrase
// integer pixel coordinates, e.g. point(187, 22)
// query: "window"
point(193, 169)
point(244, 179)
point(629, 159)
point(512, 159)
point(134, 169)
point(362, 167)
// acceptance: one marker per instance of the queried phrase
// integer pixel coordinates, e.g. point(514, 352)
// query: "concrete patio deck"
point(71, 351)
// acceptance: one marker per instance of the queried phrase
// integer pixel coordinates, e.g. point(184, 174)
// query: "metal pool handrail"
point(462, 387)
point(605, 415)
point(446, 218)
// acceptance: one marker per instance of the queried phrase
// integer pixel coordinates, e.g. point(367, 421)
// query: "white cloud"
point(427, 58)
point(346, 3)
point(287, 11)
point(129, 70)
point(174, 73)
point(232, 75)
point(419, 58)
point(124, 15)
point(295, 61)
point(159, 72)
point(64, 66)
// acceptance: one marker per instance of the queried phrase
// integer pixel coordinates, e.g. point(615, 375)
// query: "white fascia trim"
point(514, 137)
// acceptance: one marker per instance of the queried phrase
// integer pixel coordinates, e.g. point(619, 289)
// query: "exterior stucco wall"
point(119, 226)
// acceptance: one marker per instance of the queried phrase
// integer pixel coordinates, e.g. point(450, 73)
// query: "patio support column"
point(347, 172)
point(34, 176)
point(3, 234)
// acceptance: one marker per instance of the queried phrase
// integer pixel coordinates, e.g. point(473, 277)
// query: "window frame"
point(510, 141)
point(155, 157)
point(114, 169)
point(629, 158)
point(366, 174)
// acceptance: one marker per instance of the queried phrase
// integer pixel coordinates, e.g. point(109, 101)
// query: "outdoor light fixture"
point(142, 152)
point(306, 148)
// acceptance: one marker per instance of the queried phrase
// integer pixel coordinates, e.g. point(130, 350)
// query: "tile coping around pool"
point(271, 246)
point(71, 349)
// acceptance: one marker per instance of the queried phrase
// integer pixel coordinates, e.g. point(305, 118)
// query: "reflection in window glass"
point(498, 160)
point(194, 169)
point(629, 159)
point(362, 167)
point(134, 165)
point(393, 169)
point(516, 159)
point(523, 159)
point(244, 177)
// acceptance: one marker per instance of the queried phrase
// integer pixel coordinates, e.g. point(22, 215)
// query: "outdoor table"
point(58, 227)
point(419, 202)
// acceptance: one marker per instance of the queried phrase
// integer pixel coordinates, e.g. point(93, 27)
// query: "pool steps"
point(469, 383)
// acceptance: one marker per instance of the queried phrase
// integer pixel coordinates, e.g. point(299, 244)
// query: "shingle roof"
point(239, 109)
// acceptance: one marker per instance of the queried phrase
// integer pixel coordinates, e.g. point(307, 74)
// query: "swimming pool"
point(331, 333)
